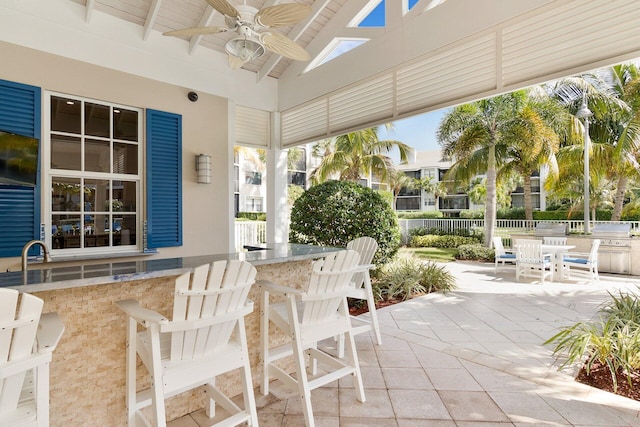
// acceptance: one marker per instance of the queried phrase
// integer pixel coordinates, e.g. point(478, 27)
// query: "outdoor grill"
point(548, 229)
point(614, 254)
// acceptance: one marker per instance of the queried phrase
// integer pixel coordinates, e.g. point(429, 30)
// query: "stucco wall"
point(205, 130)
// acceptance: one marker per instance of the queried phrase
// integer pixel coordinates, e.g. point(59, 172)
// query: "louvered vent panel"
point(252, 127)
point(431, 81)
point(304, 123)
point(568, 36)
point(366, 102)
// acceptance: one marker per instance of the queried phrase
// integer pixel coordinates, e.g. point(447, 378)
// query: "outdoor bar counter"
point(88, 367)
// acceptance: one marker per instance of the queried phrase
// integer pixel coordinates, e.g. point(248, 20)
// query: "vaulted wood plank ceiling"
point(168, 15)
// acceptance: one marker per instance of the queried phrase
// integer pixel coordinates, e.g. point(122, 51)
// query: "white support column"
point(231, 141)
point(277, 209)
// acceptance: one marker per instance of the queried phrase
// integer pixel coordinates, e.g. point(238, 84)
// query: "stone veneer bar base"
point(88, 367)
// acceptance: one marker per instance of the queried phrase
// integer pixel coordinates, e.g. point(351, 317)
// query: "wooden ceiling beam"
point(294, 34)
point(151, 18)
point(205, 20)
point(89, 6)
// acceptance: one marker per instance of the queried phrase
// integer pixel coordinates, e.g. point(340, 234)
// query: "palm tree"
point(531, 141)
point(437, 188)
point(355, 155)
point(613, 95)
point(398, 180)
point(626, 81)
point(601, 189)
point(477, 191)
point(470, 133)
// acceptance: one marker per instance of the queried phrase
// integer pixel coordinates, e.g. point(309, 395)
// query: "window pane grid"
point(95, 180)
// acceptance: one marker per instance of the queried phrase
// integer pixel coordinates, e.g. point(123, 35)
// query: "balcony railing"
point(250, 233)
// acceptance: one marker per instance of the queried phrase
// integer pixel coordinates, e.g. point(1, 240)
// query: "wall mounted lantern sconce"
point(203, 167)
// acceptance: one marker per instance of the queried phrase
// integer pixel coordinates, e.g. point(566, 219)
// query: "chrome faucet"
point(25, 251)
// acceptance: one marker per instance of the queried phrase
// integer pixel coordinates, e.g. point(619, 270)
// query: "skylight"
point(375, 18)
point(337, 47)
point(373, 15)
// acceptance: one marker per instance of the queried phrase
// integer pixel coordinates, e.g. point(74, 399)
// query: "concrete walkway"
point(470, 358)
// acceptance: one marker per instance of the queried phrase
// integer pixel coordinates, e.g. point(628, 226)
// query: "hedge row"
point(433, 241)
point(475, 252)
point(252, 216)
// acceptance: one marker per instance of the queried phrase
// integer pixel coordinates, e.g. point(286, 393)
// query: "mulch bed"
point(600, 377)
point(362, 308)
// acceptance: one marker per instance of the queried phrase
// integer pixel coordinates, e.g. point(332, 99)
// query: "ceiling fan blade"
point(235, 62)
point(282, 14)
point(282, 45)
point(224, 7)
point(197, 31)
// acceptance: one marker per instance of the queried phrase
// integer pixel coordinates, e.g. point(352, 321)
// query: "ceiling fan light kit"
point(244, 48)
point(248, 22)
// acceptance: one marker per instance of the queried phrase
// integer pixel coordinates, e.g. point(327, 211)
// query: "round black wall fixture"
point(193, 97)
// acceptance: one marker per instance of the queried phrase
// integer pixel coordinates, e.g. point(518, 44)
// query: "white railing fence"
point(504, 227)
point(255, 232)
point(250, 233)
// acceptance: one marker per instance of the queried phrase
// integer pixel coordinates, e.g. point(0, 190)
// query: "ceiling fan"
point(250, 24)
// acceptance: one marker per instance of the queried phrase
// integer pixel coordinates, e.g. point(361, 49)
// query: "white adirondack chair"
point(205, 338)
point(583, 263)
point(27, 341)
point(309, 316)
point(361, 286)
point(555, 241)
point(502, 256)
point(530, 261)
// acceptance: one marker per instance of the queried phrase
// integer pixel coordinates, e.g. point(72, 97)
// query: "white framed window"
point(253, 204)
point(253, 178)
point(92, 175)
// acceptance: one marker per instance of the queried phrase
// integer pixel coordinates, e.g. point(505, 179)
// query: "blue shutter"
point(19, 205)
point(164, 179)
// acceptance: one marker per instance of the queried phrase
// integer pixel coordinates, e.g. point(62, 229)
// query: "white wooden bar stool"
point(307, 317)
point(361, 286)
point(28, 338)
point(205, 338)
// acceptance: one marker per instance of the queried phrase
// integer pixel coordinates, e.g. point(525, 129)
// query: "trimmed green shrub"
point(447, 241)
point(551, 215)
point(467, 214)
point(475, 252)
point(419, 214)
point(336, 212)
point(252, 216)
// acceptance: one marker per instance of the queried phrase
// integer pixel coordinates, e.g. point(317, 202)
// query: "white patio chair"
point(555, 241)
point(583, 263)
point(206, 338)
point(27, 340)
point(307, 317)
point(532, 262)
point(501, 254)
point(361, 286)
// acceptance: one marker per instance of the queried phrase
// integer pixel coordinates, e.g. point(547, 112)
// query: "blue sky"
point(418, 132)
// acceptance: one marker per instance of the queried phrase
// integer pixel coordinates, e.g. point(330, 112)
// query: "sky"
point(418, 132)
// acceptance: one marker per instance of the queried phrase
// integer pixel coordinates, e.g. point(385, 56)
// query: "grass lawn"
point(435, 254)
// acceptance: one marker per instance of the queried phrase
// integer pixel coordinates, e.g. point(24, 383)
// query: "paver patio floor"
point(471, 358)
